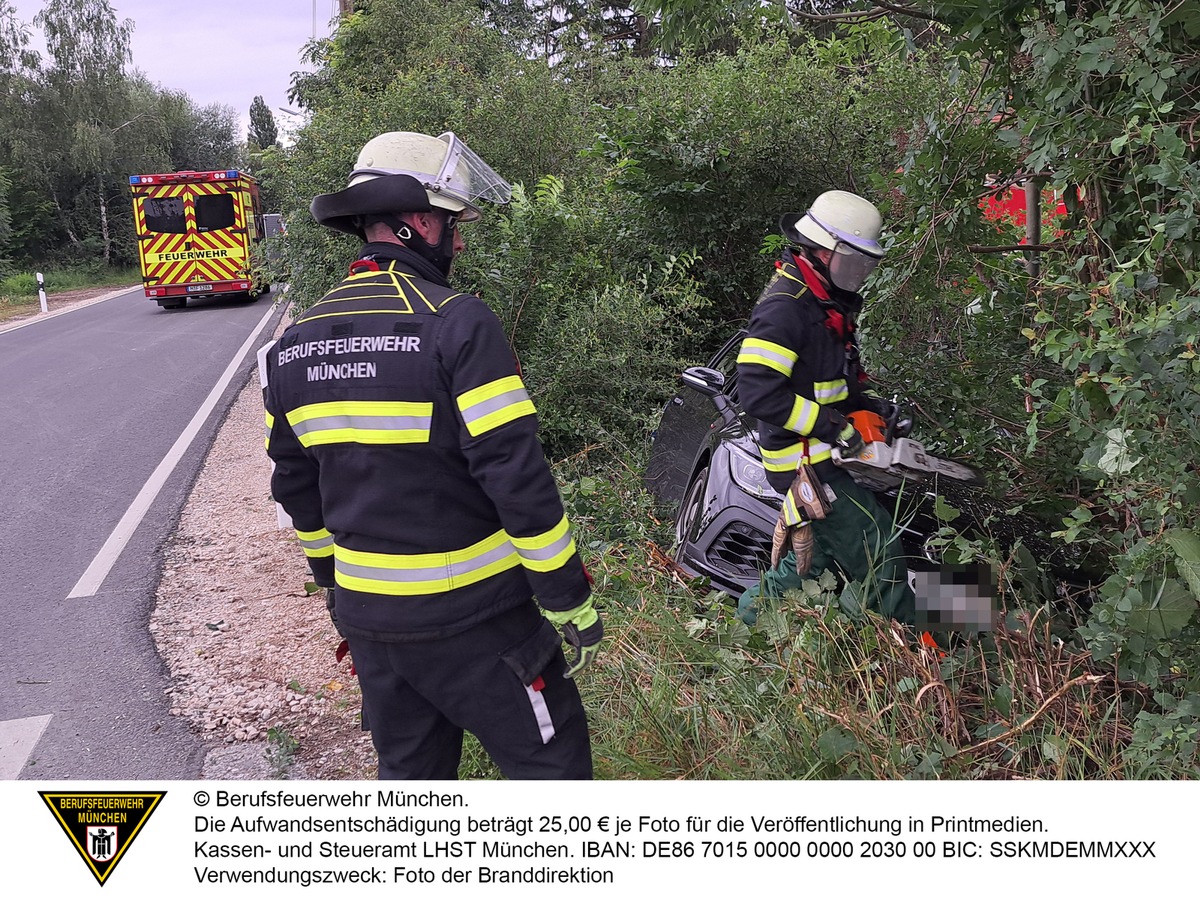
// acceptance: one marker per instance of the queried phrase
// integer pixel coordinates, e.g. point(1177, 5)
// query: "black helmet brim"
point(387, 194)
point(787, 224)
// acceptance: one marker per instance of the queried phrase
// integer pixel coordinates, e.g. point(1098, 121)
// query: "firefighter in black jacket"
point(406, 453)
point(800, 375)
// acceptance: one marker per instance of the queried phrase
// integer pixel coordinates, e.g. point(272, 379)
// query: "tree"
point(12, 44)
point(708, 25)
point(555, 29)
point(263, 131)
point(75, 126)
point(85, 102)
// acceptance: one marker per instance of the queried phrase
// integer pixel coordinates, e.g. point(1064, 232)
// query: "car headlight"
point(748, 473)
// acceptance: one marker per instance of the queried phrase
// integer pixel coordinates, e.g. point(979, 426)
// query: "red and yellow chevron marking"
point(214, 256)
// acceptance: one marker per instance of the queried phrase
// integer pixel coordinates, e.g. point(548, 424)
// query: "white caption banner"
point(673, 839)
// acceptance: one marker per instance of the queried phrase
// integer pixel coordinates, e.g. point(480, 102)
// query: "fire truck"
point(199, 234)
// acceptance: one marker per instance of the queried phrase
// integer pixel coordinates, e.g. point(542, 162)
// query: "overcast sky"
point(218, 51)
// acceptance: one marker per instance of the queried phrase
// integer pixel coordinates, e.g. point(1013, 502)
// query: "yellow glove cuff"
point(582, 616)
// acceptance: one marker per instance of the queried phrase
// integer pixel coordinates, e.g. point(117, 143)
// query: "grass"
point(280, 751)
point(685, 690)
point(19, 292)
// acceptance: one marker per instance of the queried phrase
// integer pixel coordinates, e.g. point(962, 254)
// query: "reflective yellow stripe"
point(784, 460)
point(788, 458)
point(791, 514)
point(547, 551)
point(786, 274)
point(756, 351)
point(819, 451)
point(831, 391)
point(803, 417)
point(270, 425)
point(494, 404)
point(410, 574)
point(317, 543)
point(362, 422)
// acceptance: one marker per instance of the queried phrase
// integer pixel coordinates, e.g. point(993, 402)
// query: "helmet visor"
point(850, 267)
point(467, 177)
point(463, 177)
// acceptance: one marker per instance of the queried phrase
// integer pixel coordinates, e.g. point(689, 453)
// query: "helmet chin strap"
point(440, 255)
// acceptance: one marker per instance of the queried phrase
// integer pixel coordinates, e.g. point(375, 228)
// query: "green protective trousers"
point(857, 541)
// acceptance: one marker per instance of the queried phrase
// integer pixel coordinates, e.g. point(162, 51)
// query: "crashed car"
point(706, 470)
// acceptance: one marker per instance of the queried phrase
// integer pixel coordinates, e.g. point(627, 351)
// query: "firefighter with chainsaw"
point(799, 373)
point(406, 452)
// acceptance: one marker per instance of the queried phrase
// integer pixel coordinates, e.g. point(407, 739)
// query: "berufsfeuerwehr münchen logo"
point(102, 826)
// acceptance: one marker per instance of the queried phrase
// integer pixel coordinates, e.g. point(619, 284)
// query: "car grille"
point(741, 551)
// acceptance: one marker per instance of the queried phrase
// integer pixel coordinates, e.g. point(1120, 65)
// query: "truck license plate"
point(194, 288)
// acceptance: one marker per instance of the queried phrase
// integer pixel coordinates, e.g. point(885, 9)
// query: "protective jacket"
point(406, 453)
point(798, 365)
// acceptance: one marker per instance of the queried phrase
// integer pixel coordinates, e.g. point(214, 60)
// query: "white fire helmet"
point(846, 224)
point(454, 177)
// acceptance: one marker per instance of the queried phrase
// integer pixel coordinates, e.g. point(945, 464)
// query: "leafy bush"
point(600, 342)
point(22, 284)
point(83, 275)
point(1164, 744)
point(709, 153)
point(1087, 371)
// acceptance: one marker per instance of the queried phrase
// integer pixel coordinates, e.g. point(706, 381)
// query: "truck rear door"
point(192, 234)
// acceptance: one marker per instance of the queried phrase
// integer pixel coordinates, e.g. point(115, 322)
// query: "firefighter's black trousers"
point(501, 680)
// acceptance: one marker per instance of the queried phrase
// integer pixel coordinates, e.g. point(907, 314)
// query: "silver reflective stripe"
point(819, 450)
point(803, 417)
point(827, 391)
point(546, 553)
point(446, 573)
point(791, 515)
point(319, 544)
point(541, 712)
point(484, 407)
point(494, 404)
point(360, 422)
point(316, 543)
point(767, 353)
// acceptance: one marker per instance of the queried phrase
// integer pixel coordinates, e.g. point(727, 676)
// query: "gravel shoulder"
point(251, 652)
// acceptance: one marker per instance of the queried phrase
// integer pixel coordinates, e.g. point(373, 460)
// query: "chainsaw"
point(890, 458)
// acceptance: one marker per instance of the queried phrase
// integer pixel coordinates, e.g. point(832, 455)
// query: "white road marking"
point(18, 737)
point(95, 574)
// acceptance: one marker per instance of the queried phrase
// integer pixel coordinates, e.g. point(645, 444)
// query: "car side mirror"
point(708, 382)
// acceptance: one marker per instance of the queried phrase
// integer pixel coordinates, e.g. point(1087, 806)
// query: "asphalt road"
point(92, 402)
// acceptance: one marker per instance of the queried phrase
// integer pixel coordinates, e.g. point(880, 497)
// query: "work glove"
point(804, 501)
point(850, 441)
point(582, 629)
point(798, 539)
